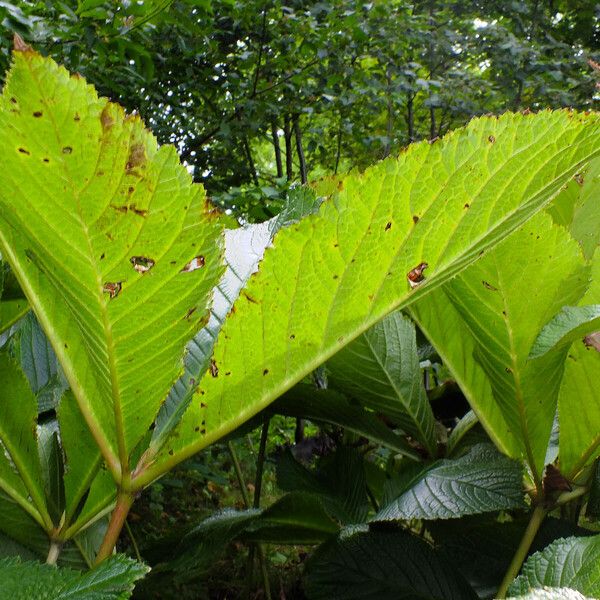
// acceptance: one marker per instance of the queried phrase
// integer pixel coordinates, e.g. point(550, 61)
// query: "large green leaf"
point(501, 304)
point(381, 565)
point(481, 481)
point(112, 580)
point(381, 370)
point(578, 406)
point(333, 275)
point(110, 241)
point(20, 472)
point(570, 562)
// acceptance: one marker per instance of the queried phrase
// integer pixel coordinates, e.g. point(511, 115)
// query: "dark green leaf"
point(570, 562)
point(381, 565)
point(481, 481)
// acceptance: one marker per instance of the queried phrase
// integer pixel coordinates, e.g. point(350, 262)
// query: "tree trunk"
point(299, 149)
point(277, 148)
point(287, 134)
point(410, 118)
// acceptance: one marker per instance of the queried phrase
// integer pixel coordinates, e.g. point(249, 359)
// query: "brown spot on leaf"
point(140, 212)
point(491, 139)
point(46, 160)
point(190, 312)
point(578, 177)
point(249, 298)
point(24, 151)
point(67, 150)
point(13, 100)
point(105, 117)
point(214, 370)
point(76, 117)
point(137, 157)
point(122, 209)
point(37, 114)
point(415, 219)
point(489, 286)
point(265, 371)
point(467, 205)
point(388, 226)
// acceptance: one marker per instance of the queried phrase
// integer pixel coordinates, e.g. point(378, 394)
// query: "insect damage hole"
point(196, 263)
point(141, 264)
point(112, 288)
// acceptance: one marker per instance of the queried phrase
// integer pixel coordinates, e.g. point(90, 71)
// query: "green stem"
point(238, 474)
point(53, 552)
point(133, 542)
point(535, 522)
point(117, 520)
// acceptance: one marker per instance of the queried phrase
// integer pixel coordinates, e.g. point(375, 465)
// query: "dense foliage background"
point(257, 94)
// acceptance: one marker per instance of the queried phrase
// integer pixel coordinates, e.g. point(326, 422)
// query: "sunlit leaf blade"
point(577, 208)
point(481, 481)
point(244, 248)
point(381, 370)
point(440, 320)
point(304, 401)
point(504, 300)
point(332, 276)
point(381, 565)
point(18, 443)
point(578, 406)
point(570, 324)
point(112, 580)
point(101, 228)
point(569, 562)
point(82, 457)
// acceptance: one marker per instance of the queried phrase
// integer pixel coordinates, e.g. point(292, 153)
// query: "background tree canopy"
point(259, 94)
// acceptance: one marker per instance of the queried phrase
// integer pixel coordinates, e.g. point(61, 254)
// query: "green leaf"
point(244, 248)
point(381, 370)
point(18, 419)
point(113, 579)
point(102, 229)
point(481, 481)
point(378, 565)
point(570, 324)
point(296, 518)
point(481, 548)
point(554, 593)
point(578, 407)
point(202, 546)
point(339, 480)
point(570, 562)
point(503, 301)
point(332, 276)
point(328, 406)
point(39, 364)
point(461, 429)
point(82, 457)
